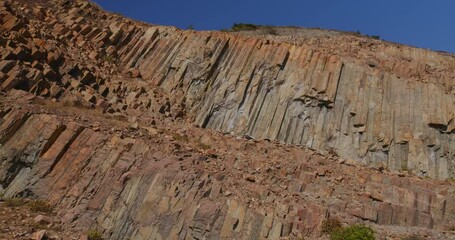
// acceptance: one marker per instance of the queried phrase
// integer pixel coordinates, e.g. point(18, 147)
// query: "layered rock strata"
point(298, 95)
point(169, 183)
point(97, 116)
point(378, 103)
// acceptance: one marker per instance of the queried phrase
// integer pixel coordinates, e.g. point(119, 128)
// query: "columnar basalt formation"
point(97, 116)
point(160, 186)
point(400, 115)
point(381, 104)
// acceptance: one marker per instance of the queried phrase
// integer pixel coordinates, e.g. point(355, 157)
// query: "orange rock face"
point(110, 121)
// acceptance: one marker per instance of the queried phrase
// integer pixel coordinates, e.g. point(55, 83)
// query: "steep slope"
point(370, 106)
point(379, 103)
point(174, 181)
point(98, 115)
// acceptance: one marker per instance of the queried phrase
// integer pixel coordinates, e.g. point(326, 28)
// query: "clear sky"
point(422, 23)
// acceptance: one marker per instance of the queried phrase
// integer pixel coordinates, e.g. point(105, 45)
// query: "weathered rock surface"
point(168, 183)
point(378, 103)
point(395, 113)
point(97, 116)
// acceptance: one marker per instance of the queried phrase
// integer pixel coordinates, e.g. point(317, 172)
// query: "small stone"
point(42, 220)
point(93, 55)
point(6, 66)
point(152, 130)
point(83, 237)
point(250, 179)
point(75, 83)
point(90, 98)
point(376, 196)
point(134, 126)
point(339, 178)
point(321, 172)
point(40, 235)
point(135, 73)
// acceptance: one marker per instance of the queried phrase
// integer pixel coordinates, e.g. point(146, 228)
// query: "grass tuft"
point(40, 206)
point(93, 234)
point(354, 232)
point(330, 225)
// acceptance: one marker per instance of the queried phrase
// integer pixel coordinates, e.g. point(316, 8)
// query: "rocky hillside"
point(150, 132)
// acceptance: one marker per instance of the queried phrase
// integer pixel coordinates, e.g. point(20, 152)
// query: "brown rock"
point(135, 73)
point(42, 220)
point(22, 54)
point(135, 126)
point(11, 82)
point(321, 171)
point(75, 83)
point(90, 98)
point(36, 54)
point(93, 55)
point(87, 78)
point(40, 235)
point(6, 65)
point(50, 74)
point(316, 91)
point(12, 23)
point(86, 29)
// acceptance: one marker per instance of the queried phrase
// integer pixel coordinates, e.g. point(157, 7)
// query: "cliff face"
point(379, 110)
point(378, 103)
point(175, 182)
point(97, 116)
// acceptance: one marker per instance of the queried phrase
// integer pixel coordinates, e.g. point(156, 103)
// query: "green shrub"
point(268, 29)
point(330, 225)
point(178, 137)
point(244, 27)
point(93, 234)
point(40, 206)
point(204, 146)
point(354, 232)
point(109, 58)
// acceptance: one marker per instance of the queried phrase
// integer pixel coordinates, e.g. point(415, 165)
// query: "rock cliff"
point(110, 121)
point(377, 103)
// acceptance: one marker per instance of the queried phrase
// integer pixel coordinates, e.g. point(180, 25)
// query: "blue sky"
point(422, 23)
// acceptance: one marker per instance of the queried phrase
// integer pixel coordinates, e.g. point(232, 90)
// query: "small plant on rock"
point(109, 58)
point(180, 138)
point(244, 27)
point(330, 225)
point(354, 232)
point(40, 206)
point(204, 146)
point(93, 234)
